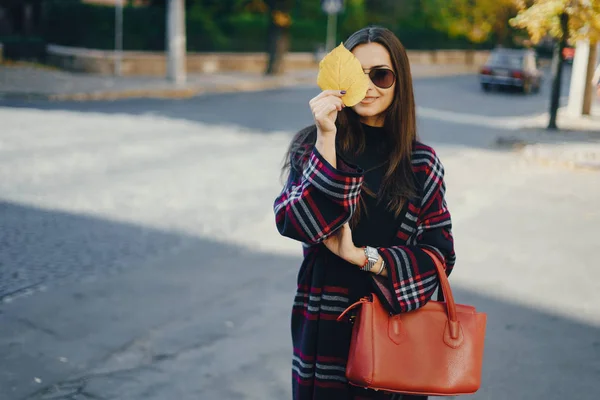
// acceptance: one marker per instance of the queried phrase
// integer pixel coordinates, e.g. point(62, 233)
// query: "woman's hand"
point(341, 244)
point(325, 108)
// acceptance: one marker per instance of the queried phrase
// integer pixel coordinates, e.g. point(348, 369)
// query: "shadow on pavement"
point(188, 318)
point(40, 246)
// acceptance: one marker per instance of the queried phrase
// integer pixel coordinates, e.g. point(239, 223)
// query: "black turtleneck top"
point(377, 226)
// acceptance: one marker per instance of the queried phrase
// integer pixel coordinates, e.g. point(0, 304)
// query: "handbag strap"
point(447, 292)
point(453, 323)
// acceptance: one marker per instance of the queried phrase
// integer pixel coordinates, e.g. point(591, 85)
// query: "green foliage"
point(242, 25)
point(475, 20)
point(246, 32)
point(203, 32)
point(91, 26)
point(353, 18)
point(23, 47)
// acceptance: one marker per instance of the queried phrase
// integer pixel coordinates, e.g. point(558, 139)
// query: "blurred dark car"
point(511, 68)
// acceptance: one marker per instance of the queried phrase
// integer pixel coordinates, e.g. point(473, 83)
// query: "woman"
point(364, 197)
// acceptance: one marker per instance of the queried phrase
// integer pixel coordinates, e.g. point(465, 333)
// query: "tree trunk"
point(590, 87)
point(278, 40)
point(501, 27)
point(278, 45)
point(557, 71)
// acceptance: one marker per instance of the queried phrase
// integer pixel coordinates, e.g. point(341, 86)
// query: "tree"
point(564, 20)
point(278, 35)
point(475, 20)
point(590, 89)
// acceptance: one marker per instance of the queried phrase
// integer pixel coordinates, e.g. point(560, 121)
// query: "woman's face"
point(372, 108)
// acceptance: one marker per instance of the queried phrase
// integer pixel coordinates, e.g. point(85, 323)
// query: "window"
point(506, 60)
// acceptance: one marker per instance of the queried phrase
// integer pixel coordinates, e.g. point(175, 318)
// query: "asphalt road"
point(287, 110)
point(277, 110)
point(137, 262)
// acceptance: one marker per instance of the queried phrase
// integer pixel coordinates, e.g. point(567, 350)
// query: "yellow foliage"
point(281, 19)
point(340, 70)
point(257, 6)
point(543, 18)
point(473, 19)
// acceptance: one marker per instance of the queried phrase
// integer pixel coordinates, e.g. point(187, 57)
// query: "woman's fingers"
point(326, 103)
point(325, 118)
point(325, 113)
point(327, 99)
point(325, 93)
point(325, 108)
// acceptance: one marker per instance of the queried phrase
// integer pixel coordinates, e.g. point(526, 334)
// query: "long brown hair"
point(399, 125)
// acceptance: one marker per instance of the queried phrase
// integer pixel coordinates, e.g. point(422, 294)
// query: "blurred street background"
point(141, 144)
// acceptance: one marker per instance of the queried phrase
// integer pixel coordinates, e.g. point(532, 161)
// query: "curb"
point(563, 156)
point(191, 89)
point(578, 156)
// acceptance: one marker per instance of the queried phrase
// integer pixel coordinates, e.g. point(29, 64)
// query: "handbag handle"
point(453, 323)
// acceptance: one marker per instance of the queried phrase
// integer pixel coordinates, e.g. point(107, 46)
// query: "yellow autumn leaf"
point(341, 70)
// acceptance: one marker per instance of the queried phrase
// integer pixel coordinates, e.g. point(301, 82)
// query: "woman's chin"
point(365, 111)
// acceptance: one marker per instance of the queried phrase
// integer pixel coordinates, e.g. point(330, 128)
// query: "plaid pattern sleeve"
point(412, 273)
point(315, 203)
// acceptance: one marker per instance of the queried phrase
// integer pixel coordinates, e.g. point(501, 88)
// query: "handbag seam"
point(453, 346)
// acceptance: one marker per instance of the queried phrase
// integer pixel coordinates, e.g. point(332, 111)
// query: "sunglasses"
point(383, 78)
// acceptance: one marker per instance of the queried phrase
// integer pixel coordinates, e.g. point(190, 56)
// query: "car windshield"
point(506, 60)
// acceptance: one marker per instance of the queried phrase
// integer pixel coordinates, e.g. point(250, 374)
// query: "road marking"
point(506, 123)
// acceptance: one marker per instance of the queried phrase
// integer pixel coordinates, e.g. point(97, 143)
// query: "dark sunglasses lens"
point(383, 78)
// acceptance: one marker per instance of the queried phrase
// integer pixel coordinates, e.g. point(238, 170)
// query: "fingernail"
point(343, 92)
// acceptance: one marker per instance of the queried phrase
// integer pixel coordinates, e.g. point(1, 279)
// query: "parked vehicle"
point(511, 68)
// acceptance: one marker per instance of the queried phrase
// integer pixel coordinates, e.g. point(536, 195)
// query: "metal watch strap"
point(382, 267)
point(372, 257)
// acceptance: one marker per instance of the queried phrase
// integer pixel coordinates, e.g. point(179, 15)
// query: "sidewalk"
point(32, 82)
point(24, 81)
point(575, 145)
point(151, 292)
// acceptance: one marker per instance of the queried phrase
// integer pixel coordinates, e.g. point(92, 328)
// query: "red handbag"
point(436, 350)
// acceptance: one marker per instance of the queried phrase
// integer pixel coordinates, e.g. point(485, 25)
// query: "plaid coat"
point(312, 206)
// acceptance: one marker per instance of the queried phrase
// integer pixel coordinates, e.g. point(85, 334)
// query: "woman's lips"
point(368, 100)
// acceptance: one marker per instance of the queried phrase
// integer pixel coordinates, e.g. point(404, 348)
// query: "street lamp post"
point(331, 31)
point(332, 8)
point(118, 37)
point(176, 41)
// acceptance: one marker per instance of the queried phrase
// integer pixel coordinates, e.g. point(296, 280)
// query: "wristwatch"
point(372, 257)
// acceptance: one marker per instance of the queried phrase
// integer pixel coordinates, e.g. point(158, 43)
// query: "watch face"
point(372, 253)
